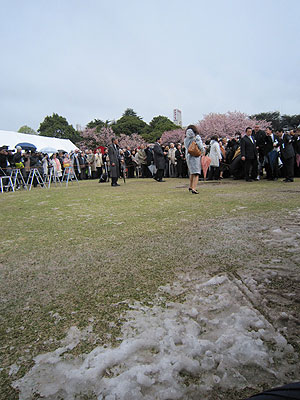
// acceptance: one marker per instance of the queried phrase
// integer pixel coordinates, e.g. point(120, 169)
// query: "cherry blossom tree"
point(133, 141)
point(92, 139)
point(176, 136)
point(228, 124)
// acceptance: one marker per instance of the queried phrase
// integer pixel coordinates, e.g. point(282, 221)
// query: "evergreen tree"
point(57, 126)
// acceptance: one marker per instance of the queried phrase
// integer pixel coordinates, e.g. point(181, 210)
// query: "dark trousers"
point(145, 170)
point(83, 173)
point(271, 169)
point(130, 171)
point(179, 168)
point(213, 173)
point(114, 181)
point(173, 170)
point(288, 165)
point(99, 172)
point(159, 174)
point(77, 173)
point(250, 168)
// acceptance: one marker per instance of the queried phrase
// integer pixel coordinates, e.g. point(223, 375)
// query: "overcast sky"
point(87, 59)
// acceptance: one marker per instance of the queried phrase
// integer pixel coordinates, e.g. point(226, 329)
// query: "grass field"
point(74, 255)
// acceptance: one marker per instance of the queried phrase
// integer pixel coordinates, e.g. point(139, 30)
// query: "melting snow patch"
point(215, 339)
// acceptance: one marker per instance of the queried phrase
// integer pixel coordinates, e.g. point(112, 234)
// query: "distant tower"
point(177, 117)
point(79, 128)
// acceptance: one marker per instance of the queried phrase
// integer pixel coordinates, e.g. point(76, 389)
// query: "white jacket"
point(215, 154)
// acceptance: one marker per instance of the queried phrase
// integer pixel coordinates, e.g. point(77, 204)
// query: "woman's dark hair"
point(214, 137)
point(193, 128)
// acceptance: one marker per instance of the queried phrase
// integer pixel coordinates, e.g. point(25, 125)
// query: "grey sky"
point(87, 59)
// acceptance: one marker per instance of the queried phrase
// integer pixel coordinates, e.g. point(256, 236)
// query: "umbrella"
point(205, 163)
point(26, 146)
point(48, 150)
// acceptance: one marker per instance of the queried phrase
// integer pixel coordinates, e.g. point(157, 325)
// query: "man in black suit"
point(259, 137)
point(249, 155)
point(287, 155)
point(159, 160)
point(271, 155)
point(114, 160)
point(179, 155)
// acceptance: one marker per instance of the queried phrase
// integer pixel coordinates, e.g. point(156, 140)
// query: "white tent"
point(11, 139)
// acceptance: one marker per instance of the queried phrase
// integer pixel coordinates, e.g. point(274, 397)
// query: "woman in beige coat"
point(98, 163)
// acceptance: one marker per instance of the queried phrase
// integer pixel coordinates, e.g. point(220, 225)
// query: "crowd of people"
point(255, 155)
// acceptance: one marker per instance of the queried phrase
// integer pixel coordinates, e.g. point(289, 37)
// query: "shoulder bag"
point(194, 150)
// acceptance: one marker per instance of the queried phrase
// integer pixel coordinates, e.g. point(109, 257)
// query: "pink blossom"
point(92, 139)
point(133, 141)
point(176, 136)
point(227, 124)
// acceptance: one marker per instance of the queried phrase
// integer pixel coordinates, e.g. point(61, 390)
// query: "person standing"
point(167, 163)
point(57, 170)
point(91, 164)
point(271, 155)
point(172, 161)
point(99, 163)
point(142, 159)
point(296, 144)
point(82, 163)
point(150, 161)
point(159, 160)
point(287, 155)
point(259, 137)
point(3, 161)
point(129, 164)
point(45, 163)
point(114, 159)
point(216, 156)
point(193, 163)
point(76, 164)
point(179, 155)
point(249, 155)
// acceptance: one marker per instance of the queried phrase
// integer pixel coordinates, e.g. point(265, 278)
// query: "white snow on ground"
point(214, 339)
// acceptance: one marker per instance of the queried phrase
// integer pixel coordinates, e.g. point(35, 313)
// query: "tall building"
point(79, 128)
point(177, 117)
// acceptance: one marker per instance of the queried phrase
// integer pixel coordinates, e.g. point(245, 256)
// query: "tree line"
point(130, 125)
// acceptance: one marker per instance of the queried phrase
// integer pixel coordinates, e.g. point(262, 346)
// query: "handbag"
point(194, 150)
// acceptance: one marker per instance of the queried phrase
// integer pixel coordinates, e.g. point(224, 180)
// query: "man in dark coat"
point(114, 159)
point(287, 155)
point(159, 160)
point(249, 155)
point(149, 154)
point(259, 137)
point(3, 161)
point(271, 155)
point(179, 155)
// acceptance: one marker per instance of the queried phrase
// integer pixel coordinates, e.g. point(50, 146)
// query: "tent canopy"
point(11, 139)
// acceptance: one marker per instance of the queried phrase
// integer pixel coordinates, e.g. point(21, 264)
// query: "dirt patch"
point(227, 326)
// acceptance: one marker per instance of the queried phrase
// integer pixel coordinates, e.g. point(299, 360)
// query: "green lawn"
point(69, 255)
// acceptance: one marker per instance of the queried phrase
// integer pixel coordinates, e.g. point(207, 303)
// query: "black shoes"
point(288, 180)
point(194, 191)
point(115, 184)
